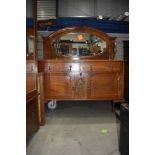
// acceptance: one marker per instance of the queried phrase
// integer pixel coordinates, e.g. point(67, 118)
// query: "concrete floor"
point(74, 128)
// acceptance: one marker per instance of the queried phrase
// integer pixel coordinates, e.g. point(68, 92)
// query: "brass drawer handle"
point(32, 68)
point(118, 78)
point(91, 67)
point(73, 88)
point(70, 68)
point(49, 68)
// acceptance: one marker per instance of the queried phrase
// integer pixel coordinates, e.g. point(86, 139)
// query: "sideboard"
point(79, 64)
point(82, 79)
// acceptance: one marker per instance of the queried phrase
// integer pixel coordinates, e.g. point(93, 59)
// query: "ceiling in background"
point(100, 9)
point(46, 9)
point(110, 16)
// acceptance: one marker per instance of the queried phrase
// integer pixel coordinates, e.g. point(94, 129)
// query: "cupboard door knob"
point(49, 68)
point(73, 88)
point(70, 68)
point(91, 68)
point(33, 114)
point(32, 68)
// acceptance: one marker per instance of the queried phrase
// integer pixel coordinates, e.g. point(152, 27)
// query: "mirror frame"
point(48, 53)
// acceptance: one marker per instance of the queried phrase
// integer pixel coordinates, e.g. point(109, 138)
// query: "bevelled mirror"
point(79, 44)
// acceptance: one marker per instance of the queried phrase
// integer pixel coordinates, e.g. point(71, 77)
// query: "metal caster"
point(52, 104)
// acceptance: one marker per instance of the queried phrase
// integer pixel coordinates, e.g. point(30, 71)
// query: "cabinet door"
point(126, 70)
point(30, 82)
point(57, 86)
point(105, 86)
point(32, 124)
point(41, 102)
point(80, 86)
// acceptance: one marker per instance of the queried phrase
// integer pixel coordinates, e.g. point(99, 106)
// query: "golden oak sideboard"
point(79, 64)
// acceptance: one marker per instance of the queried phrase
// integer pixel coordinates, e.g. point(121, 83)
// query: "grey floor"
point(74, 128)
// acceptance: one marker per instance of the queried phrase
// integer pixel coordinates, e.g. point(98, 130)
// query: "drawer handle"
point(70, 68)
point(49, 68)
point(91, 68)
point(32, 68)
point(73, 88)
point(112, 67)
point(33, 114)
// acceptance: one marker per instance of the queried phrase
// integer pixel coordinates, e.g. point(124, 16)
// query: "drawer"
point(66, 67)
point(83, 67)
point(86, 67)
point(57, 67)
point(107, 67)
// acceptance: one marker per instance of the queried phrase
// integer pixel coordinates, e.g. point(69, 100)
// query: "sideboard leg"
point(113, 106)
point(116, 102)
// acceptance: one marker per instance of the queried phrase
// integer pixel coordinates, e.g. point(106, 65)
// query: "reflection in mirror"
point(30, 47)
point(79, 45)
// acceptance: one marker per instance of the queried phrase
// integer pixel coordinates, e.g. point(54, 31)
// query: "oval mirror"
point(79, 44)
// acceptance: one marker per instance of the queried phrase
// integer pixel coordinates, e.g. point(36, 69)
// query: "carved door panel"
point(80, 86)
point(105, 86)
point(57, 86)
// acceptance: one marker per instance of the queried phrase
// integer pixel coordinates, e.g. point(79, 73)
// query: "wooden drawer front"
point(86, 67)
point(104, 66)
point(57, 67)
point(66, 67)
point(83, 67)
point(107, 67)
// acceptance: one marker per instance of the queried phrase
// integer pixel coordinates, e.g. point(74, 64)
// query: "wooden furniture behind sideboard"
point(32, 118)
